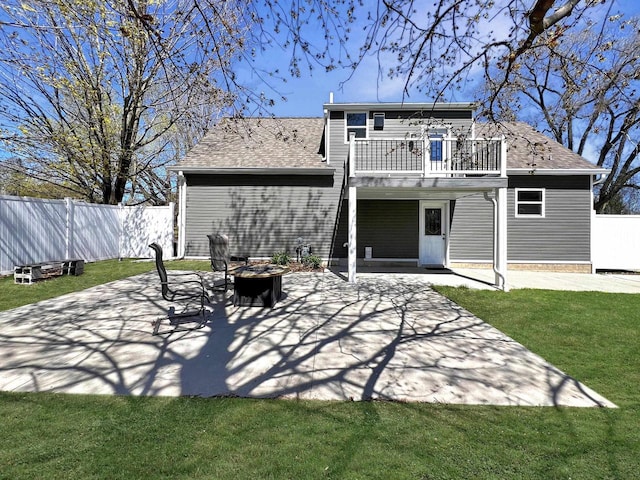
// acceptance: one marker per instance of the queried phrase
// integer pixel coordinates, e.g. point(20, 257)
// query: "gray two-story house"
point(371, 183)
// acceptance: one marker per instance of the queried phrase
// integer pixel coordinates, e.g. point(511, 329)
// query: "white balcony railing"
point(425, 157)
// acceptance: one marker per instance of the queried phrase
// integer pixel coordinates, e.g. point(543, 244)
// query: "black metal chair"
point(184, 287)
point(222, 260)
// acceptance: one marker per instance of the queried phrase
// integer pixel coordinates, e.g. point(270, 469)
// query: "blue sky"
point(307, 94)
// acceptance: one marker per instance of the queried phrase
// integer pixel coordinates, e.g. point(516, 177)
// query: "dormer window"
point(356, 123)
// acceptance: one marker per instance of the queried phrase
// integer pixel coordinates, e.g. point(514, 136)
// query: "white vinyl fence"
point(36, 230)
point(616, 242)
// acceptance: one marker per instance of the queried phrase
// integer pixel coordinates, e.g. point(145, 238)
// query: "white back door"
point(433, 234)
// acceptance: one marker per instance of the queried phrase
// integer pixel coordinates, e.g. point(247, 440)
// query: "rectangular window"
point(529, 202)
point(356, 123)
point(378, 121)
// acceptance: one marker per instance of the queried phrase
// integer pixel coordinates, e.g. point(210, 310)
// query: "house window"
point(357, 123)
point(529, 202)
point(378, 121)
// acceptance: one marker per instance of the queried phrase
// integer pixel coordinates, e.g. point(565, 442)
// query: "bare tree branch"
point(584, 91)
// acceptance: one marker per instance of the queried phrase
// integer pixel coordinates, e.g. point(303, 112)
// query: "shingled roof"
point(527, 148)
point(259, 143)
point(299, 143)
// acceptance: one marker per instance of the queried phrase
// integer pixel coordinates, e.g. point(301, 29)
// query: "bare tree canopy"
point(584, 93)
point(93, 101)
point(97, 96)
point(438, 47)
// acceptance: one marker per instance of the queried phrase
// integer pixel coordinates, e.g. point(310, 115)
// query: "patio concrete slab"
point(483, 278)
point(389, 337)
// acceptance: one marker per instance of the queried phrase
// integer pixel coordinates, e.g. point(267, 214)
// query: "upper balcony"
point(427, 157)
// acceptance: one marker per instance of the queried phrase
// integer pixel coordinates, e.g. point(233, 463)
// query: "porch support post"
point(353, 202)
point(503, 157)
point(500, 257)
point(182, 213)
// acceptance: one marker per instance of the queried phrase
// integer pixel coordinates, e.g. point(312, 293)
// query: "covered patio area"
point(388, 337)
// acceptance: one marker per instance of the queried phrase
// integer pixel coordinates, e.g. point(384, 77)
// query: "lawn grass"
point(591, 336)
point(97, 273)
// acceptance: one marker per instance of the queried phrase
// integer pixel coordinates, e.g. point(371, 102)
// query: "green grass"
point(12, 295)
point(591, 336)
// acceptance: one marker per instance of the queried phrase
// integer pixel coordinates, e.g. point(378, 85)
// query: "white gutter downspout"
point(182, 213)
point(502, 283)
point(594, 182)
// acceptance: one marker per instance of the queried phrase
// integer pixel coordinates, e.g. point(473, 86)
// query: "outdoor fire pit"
point(258, 285)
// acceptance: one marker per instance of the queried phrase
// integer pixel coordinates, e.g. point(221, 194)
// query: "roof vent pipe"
point(330, 97)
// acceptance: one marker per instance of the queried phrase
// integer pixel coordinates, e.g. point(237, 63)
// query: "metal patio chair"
point(222, 260)
point(184, 288)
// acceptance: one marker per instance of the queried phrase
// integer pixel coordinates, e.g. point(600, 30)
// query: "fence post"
point(121, 233)
point(69, 229)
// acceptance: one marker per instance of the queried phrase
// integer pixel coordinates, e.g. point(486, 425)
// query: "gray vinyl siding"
point(397, 125)
point(400, 125)
point(471, 229)
point(563, 235)
point(390, 227)
point(263, 214)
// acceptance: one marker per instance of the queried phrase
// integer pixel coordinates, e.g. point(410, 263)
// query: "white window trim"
point(366, 126)
point(542, 203)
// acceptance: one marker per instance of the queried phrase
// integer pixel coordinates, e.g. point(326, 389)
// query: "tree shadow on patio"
point(386, 338)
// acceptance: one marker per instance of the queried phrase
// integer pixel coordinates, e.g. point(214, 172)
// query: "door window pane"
point(436, 151)
point(432, 221)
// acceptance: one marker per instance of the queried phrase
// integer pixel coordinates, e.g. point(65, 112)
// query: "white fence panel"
point(35, 230)
point(96, 231)
point(616, 242)
point(31, 229)
point(144, 225)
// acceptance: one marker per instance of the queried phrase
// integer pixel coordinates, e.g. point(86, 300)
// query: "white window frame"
point(541, 202)
point(365, 127)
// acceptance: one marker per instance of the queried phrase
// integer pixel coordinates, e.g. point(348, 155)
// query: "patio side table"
point(257, 285)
